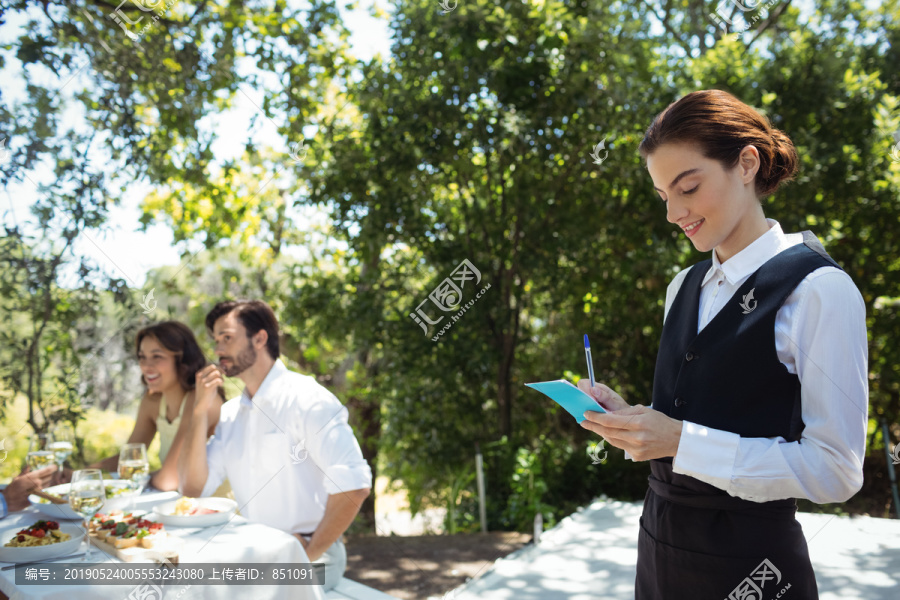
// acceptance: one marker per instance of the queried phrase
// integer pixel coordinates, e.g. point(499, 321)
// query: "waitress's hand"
point(607, 398)
point(639, 430)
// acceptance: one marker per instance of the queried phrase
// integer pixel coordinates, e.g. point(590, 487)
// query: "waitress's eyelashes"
point(686, 193)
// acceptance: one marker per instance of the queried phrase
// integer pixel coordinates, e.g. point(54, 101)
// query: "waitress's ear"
point(748, 162)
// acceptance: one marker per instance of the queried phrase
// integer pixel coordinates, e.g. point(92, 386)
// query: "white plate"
point(225, 506)
point(18, 555)
point(64, 511)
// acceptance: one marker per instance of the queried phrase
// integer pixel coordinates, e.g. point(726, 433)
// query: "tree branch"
point(135, 9)
point(198, 11)
point(772, 19)
point(668, 27)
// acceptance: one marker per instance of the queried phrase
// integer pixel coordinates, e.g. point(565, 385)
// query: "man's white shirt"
point(285, 451)
point(820, 336)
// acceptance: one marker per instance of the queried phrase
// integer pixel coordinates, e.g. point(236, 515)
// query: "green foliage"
point(528, 488)
point(473, 141)
point(39, 348)
point(14, 433)
point(104, 433)
point(100, 433)
point(474, 144)
point(552, 477)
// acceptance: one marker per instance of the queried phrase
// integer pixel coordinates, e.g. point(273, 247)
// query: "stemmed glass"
point(86, 497)
point(63, 441)
point(134, 467)
point(40, 454)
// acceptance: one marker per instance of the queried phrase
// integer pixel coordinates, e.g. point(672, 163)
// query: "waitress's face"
point(710, 204)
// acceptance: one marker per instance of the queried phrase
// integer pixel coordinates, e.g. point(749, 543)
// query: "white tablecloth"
point(239, 541)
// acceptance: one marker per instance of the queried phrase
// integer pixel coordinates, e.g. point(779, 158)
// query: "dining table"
point(229, 546)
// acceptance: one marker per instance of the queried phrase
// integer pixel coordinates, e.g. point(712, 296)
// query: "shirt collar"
point(278, 369)
point(751, 258)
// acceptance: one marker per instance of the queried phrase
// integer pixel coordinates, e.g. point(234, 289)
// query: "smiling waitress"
point(760, 392)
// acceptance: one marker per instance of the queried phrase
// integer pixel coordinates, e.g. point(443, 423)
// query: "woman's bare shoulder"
point(150, 400)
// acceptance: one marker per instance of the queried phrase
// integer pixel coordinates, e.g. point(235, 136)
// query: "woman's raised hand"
point(607, 398)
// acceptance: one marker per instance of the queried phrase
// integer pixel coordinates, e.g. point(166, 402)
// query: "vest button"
point(679, 401)
point(690, 356)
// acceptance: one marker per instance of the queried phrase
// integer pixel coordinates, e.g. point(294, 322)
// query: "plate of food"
point(43, 539)
point(113, 487)
point(196, 512)
point(131, 537)
point(126, 529)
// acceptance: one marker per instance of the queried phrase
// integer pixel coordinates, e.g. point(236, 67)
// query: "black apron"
point(696, 541)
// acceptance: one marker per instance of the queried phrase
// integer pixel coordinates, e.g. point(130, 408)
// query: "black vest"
point(728, 376)
point(696, 540)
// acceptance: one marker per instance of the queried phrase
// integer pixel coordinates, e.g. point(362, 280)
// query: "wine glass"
point(40, 454)
point(63, 441)
point(86, 497)
point(134, 467)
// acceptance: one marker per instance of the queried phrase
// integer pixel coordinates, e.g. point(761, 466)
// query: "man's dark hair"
point(254, 315)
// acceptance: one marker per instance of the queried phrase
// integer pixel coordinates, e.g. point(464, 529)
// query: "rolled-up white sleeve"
point(820, 336)
point(334, 449)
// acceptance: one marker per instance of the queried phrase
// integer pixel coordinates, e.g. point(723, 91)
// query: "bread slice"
point(152, 539)
point(125, 542)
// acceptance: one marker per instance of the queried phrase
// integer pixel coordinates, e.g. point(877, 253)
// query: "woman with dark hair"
point(169, 357)
point(760, 393)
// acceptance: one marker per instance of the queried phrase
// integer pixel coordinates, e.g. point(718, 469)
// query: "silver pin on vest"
point(748, 298)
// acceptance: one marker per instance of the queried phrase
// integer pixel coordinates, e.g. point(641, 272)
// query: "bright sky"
point(123, 249)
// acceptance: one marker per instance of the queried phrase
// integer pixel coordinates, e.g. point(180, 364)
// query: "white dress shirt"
point(285, 451)
point(820, 335)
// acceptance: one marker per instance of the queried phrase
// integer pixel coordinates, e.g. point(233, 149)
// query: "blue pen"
point(590, 362)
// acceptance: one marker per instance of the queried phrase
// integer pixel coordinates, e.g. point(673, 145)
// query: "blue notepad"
point(568, 396)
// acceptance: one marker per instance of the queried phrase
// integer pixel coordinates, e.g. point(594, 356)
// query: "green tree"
point(479, 138)
point(473, 142)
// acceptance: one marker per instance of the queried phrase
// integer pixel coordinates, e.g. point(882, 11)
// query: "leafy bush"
point(553, 477)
